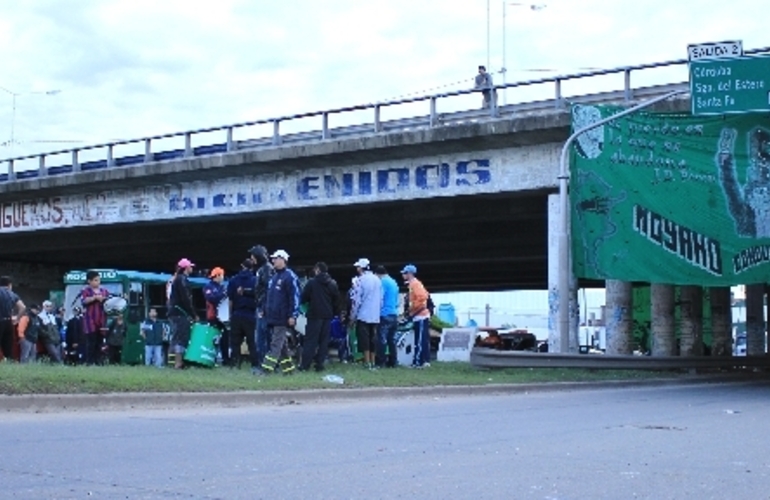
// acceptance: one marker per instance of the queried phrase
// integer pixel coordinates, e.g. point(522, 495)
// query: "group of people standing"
point(262, 302)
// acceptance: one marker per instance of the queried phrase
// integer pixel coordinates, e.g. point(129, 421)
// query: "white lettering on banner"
point(450, 175)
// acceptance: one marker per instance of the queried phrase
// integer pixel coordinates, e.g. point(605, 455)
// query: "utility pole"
point(489, 67)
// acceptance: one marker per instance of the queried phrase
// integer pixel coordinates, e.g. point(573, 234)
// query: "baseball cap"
point(409, 269)
point(185, 263)
point(280, 254)
point(217, 271)
point(362, 262)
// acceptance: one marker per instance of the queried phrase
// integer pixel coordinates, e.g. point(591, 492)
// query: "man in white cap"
point(365, 311)
point(281, 312)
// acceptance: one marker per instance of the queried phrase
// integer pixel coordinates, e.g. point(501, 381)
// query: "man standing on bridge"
point(10, 306)
point(484, 83)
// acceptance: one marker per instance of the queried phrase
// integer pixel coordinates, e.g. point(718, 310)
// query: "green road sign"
point(723, 86)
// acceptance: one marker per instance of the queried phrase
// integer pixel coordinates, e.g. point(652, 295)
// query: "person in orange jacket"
point(418, 312)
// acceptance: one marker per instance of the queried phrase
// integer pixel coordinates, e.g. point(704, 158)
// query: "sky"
point(131, 68)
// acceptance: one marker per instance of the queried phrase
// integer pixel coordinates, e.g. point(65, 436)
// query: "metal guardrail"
point(433, 119)
point(491, 358)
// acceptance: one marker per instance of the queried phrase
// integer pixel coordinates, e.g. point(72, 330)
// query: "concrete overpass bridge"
point(461, 194)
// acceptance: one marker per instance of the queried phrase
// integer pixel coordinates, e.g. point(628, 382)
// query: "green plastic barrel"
point(201, 348)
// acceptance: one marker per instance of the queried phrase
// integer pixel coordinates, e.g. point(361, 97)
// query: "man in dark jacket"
point(322, 297)
point(264, 271)
point(181, 313)
point(116, 336)
point(240, 291)
point(281, 311)
point(74, 337)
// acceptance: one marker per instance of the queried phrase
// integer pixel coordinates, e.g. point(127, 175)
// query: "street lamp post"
point(14, 95)
point(533, 7)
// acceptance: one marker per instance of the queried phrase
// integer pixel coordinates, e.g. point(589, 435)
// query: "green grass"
point(48, 379)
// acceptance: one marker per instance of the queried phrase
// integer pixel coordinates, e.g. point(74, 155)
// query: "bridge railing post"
point(325, 126)
point(110, 155)
point(188, 152)
point(558, 97)
point(433, 117)
point(627, 91)
point(276, 132)
point(43, 172)
point(377, 124)
point(493, 102)
point(75, 162)
point(11, 173)
point(147, 150)
point(230, 144)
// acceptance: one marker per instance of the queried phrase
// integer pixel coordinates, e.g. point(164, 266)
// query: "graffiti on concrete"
point(449, 175)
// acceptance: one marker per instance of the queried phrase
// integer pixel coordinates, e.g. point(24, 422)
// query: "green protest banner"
point(671, 198)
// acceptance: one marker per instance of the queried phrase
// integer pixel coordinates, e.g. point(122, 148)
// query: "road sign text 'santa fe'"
point(724, 86)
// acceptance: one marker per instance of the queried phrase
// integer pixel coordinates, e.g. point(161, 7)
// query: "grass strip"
point(40, 378)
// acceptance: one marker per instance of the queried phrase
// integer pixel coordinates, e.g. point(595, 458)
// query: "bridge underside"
point(461, 243)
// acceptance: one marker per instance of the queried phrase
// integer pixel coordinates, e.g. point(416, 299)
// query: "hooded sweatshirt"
point(322, 296)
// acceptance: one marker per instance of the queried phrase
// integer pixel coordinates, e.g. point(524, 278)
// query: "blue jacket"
point(243, 305)
point(214, 293)
point(282, 298)
point(389, 297)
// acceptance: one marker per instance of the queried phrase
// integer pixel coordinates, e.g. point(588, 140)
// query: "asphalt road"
point(672, 442)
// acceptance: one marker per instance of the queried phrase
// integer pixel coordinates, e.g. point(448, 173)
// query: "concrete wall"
point(473, 172)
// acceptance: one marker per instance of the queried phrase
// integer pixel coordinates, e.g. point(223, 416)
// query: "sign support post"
point(563, 238)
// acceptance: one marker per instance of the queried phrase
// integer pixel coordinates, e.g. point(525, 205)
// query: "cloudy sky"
point(130, 68)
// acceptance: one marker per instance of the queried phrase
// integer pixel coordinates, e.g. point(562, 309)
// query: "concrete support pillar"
point(663, 320)
point(691, 304)
point(620, 322)
point(721, 322)
point(755, 320)
point(555, 342)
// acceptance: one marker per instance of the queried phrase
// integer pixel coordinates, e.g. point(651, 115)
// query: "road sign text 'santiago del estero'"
point(723, 86)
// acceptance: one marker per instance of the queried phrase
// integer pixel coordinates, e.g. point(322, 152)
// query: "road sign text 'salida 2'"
point(722, 84)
